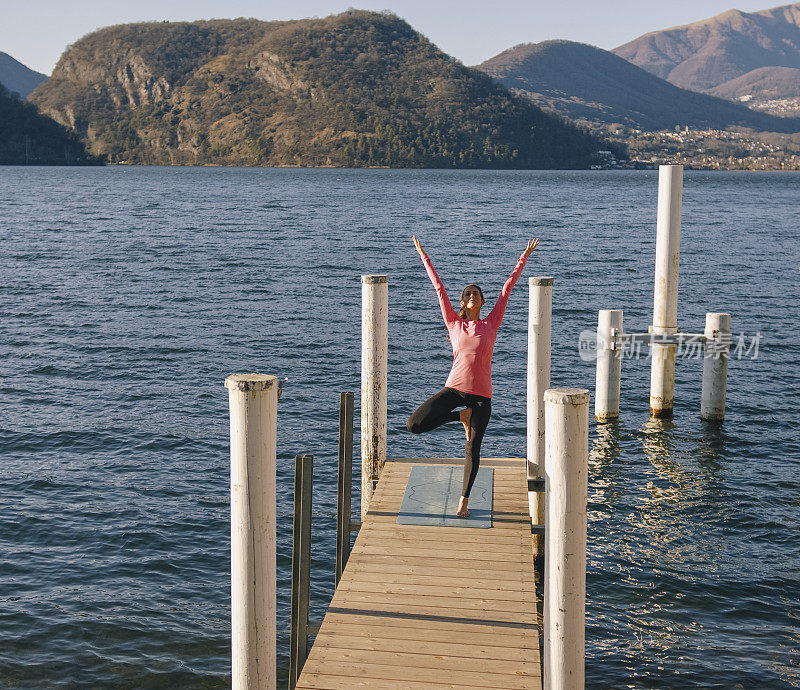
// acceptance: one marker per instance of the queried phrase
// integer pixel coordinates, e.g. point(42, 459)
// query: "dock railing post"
point(665, 295)
point(253, 403)
point(301, 565)
point(540, 311)
point(374, 375)
point(566, 469)
point(345, 483)
point(609, 365)
point(715, 366)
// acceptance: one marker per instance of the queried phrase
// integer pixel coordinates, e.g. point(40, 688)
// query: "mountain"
point(17, 78)
point(28, 137)
point(582, 81)
point(354, 89)
point(769, 82)
point(772, 89)
point(706, 55)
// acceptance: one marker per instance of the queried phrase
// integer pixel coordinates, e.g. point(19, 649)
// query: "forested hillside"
point(27, 137)
point(354, 89)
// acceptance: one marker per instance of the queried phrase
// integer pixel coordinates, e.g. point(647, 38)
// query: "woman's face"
point(471, 298)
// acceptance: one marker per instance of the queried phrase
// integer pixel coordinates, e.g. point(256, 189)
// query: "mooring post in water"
point(540, 312)
point(665, 297)
point(253, 402)
point(566, 468)
point(609, 364)
point(374, 373)
point(715, 366)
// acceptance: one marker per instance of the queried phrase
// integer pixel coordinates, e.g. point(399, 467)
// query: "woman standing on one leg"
point(469, 384)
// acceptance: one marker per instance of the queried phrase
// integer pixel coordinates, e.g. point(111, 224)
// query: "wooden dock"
point(434, 607)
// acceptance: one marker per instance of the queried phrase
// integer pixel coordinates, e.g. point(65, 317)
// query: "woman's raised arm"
point(496, 315)
point(448, 313)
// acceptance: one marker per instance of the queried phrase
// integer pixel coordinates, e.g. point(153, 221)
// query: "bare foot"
point(464, 417)
point(462, 507)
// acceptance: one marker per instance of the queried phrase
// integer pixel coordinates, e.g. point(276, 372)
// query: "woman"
point(469, 384)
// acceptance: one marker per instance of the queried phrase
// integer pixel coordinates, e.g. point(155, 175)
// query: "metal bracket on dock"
point(280, 386)
point(536, 484)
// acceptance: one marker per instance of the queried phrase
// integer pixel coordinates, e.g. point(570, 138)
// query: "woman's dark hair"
point(462, 313)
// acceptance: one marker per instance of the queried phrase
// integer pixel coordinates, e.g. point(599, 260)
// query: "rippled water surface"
point(128, 294)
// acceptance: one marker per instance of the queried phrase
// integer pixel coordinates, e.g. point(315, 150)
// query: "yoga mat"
point(433, 492)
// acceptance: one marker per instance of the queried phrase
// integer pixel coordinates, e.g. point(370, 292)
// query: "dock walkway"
point(434, 607)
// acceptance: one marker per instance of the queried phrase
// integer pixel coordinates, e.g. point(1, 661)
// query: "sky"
point(37, 32)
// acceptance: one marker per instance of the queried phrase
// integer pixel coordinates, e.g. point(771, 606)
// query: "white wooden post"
point(665, 297)
point(566, 469)
point(540, 313)
point(253, 403)
point(715, 366)
point(374, 379)
point(609, 365)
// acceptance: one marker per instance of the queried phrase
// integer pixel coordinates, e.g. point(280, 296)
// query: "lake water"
point(127, 295)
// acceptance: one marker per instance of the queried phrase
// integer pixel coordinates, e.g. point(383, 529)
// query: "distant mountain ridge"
point(354, 89)
point(706, 55)
point(581, 81)
point(18, 78)
point(769, 82)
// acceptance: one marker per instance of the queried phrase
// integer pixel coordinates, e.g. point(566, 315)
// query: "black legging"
point(438, 410)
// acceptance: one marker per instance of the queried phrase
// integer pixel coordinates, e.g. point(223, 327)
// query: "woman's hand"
point(531, 246)
point(418, 247)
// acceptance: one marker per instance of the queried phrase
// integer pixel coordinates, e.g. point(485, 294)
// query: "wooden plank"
point(400, 467)
point(379, 673)
point(421, 612)
point(432, 602)
point(432, 662)
point(387, 623)
point(453, 578)
point(445, 554)
point(425, 545)
point(380, 587)
point(518, 579)
point(468, 592)
point(505, 478)
point(452, 545)
point(421, 533)
point(509, 524)
point(396, 483)
point(455, 544)
point(329, 682)
point(392, 504)
point(365, 575)
point(408, 639)
point(451, 566)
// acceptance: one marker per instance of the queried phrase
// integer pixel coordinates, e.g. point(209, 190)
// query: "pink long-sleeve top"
point(473, 341)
